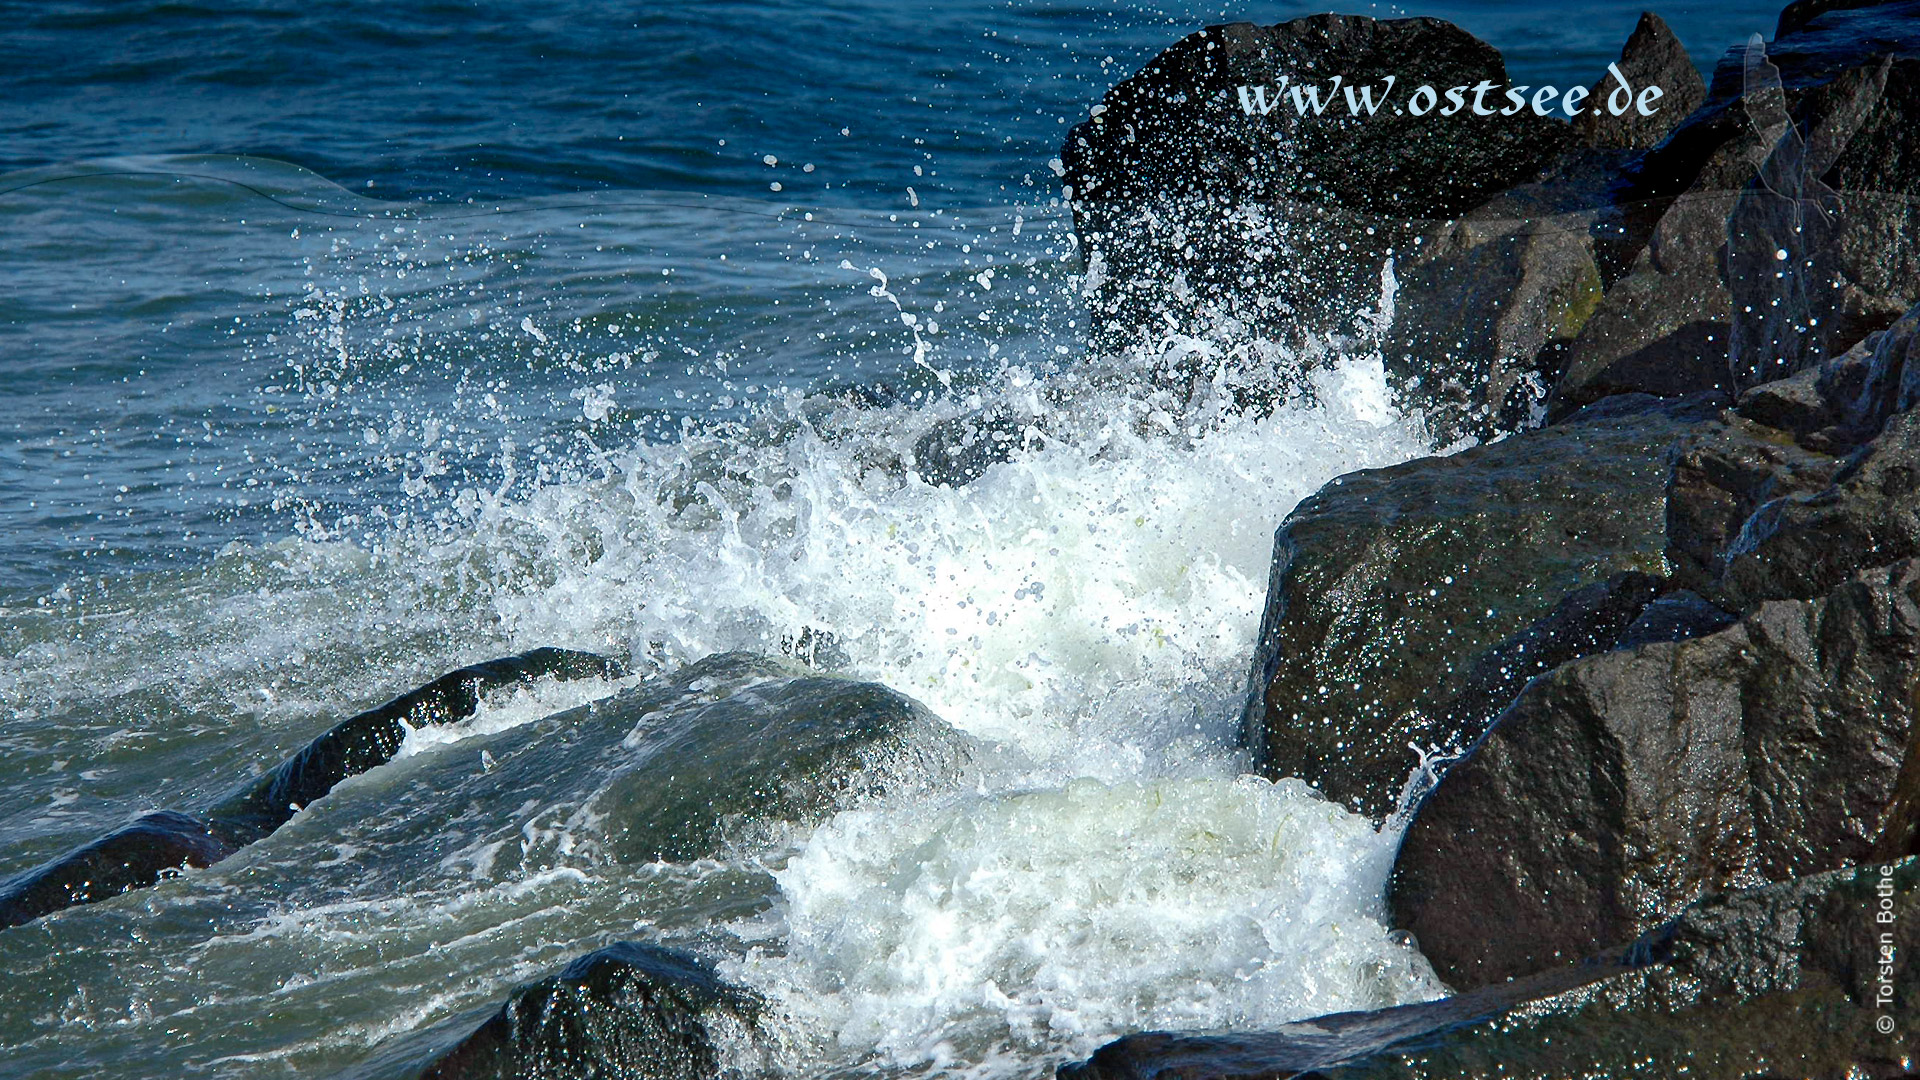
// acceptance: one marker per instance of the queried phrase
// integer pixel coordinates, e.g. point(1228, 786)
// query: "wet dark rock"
point(1803, 147)
point(630, 1010)
point(1725, 472)
point(1652, 56)
point(372, 738)
point(1189, 208)
point(134, 857)
point(1874, 381)
point(1624, 352)
point(1623, 786)
point(1775, 981)
point(142, 853)
point(1388, 584)
point(1801, 545)
point(1178, 127)
point(1585, 621)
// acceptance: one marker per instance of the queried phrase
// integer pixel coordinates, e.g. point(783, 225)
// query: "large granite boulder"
point(1388, 584)
point(1720, 477)
point(1623, 786)
point(1811, 978)
point(1803, 544)
point(1652, 56)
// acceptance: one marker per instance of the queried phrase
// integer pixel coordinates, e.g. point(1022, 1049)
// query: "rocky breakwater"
point(1641, 676)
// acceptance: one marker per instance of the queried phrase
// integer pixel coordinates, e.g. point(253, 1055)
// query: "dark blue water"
point(152, 361)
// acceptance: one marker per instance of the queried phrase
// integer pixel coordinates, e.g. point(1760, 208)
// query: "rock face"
point(1723, 474)
point(1479, 303)
point(1807, 484)
point(1621, 787)
point(633, 1011)
point(140, 854)
point(1802, 545)
point(1387, 585)
point(1783, 980)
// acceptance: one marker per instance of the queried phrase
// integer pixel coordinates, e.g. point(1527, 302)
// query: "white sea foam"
point(1018, 927)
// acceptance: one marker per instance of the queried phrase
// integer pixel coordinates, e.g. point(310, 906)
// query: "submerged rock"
point(142, 853)
point(1785, 980)
point(751, 744)
point(129, 858)
point(630, 1010)
point(1622, 787)
point(1388, 584)
point(371, 738)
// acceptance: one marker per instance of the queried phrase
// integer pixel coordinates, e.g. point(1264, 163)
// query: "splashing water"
point(1080, 595)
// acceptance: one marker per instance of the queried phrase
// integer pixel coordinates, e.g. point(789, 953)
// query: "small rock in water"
point(631, 1011)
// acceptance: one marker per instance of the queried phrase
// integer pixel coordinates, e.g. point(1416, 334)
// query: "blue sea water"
point(177, 176)
point(342, 344)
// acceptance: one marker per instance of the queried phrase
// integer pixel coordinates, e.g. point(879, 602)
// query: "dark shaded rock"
point(1652, 56)
point(1801, 12)
point(1725, 472)
point(1874, 381)
point(632, 1011)
point(1621, 787)
point(1783, 980)
point(1178, 126)
point(1191, 209)
point(1585, 621)
point(133, 857)
point(372, 738)
point(1297, 1049)
point(1686, 359)
point(1801, 545)
point(1388, 584)
point(1800, 148)
point(1811, 407)
point(1813, 136)
point(1676, 616)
